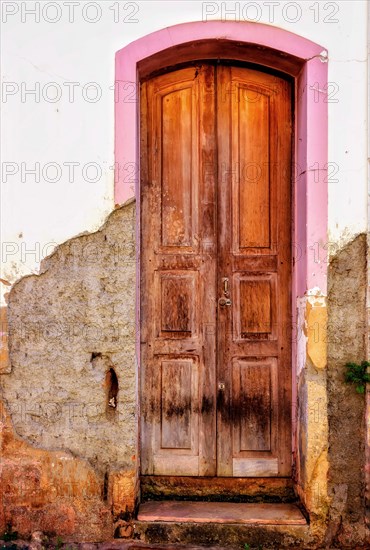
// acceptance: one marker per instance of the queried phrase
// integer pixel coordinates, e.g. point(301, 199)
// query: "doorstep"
point(221, 512)
point(224, 489)
point(223, 525)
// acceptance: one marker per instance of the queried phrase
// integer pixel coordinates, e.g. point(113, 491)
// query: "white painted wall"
point(79, 129)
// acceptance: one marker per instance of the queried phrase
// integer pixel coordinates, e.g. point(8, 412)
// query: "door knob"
point(224, 302)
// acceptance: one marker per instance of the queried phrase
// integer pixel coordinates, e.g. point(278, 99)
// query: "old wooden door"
point(215, 273)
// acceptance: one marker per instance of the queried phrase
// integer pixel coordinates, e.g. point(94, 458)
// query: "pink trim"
point(311, 202)
point(311, 146)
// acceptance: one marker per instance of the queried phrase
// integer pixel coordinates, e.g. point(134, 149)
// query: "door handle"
point(225, 300)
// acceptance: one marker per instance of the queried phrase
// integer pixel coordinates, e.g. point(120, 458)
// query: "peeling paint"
point(68, 327)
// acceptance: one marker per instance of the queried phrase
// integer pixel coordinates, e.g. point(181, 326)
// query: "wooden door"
point(215, 273)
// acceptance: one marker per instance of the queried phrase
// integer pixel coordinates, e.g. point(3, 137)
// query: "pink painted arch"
point(308, 66)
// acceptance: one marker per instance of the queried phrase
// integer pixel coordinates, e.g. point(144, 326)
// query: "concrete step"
point(223, 524)
point(217, 489)
point(221, 512)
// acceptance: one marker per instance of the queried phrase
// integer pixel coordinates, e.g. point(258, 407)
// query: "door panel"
point(254, 354)
point(178, 274)
point(251, 150)
point(215, 273)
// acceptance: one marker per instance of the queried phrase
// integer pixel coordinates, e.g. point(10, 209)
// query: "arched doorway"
point(266, 47)
point(216, 272)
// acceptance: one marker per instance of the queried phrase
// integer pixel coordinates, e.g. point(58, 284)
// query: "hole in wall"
point(111, 382)
point(105, 487)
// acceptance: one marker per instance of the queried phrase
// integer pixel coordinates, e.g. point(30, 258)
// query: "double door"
point(215, 219)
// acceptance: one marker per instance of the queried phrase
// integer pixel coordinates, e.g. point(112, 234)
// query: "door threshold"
point(221, 512)
point(224, 489)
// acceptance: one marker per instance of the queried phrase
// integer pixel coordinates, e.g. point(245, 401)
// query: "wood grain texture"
point(178, 427)
point(254, 221)
point(177, 392)
point(176, 305)
point(255, 306)
point(221, 49)
point(252, 200)
point(216, 206)
point(255, 407)
point(176, 145)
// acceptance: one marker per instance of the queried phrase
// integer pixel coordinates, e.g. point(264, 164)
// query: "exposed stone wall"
point(50, 491)
point(331, 437)
point(347, 330)
point(71, 387)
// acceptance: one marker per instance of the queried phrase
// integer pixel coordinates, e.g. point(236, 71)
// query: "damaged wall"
point(331, 434)
point(72, 382)
point(68, 454)
point(311, 461)
point(347, 332)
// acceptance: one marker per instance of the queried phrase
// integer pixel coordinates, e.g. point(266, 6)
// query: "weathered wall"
point(331, 436)
point(51, 491)
point(70, 328)
point(68, 455)
point(347, 331)
point(311, 460)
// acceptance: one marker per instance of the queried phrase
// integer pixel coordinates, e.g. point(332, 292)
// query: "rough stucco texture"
point(71, 329)
point(346, 409)
point(51, 491)
point(311, 466)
